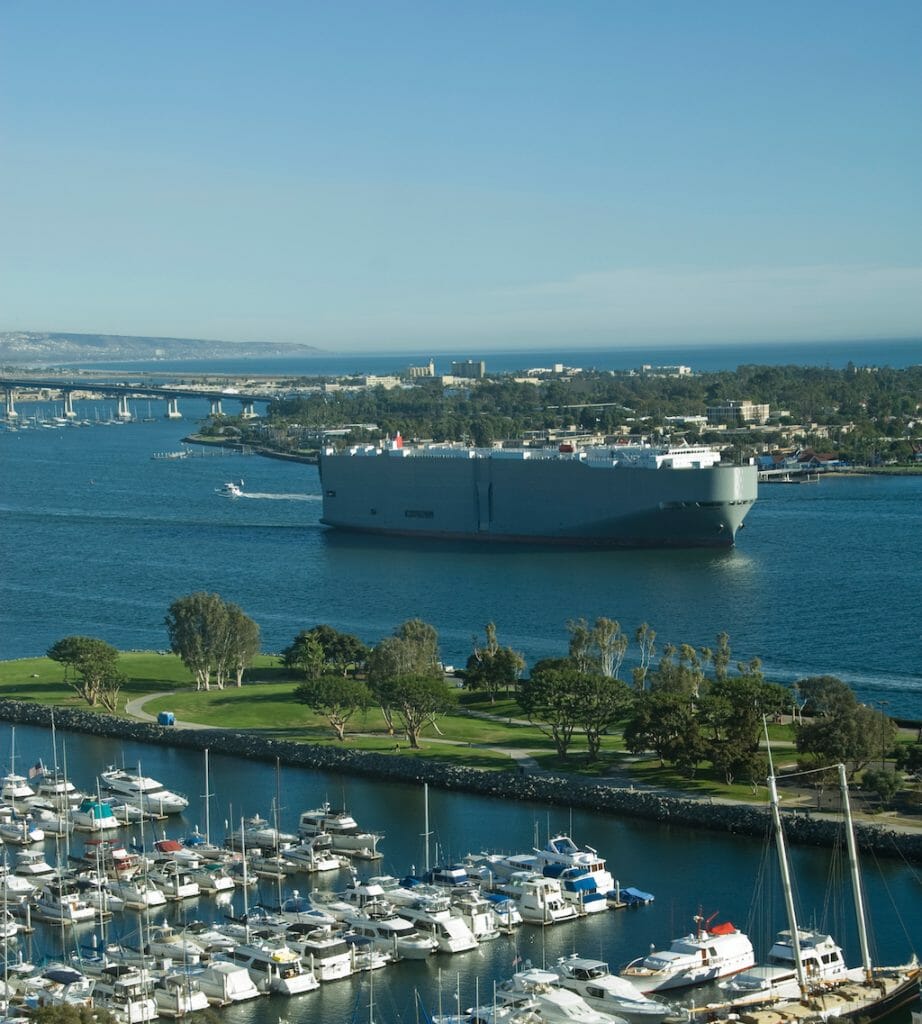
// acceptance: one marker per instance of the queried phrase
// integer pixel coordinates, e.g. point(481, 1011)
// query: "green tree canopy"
point(212, 637)
point(336, 698)
point(95, 664)
point(491, 667)
point(415, 702)
point(550, 698)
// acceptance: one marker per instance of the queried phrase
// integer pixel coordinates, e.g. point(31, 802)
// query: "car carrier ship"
point(622, 495)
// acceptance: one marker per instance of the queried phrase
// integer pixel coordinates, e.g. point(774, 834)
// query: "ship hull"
point(545, 501)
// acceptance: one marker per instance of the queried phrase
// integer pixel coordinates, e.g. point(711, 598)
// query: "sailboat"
point(865, 993)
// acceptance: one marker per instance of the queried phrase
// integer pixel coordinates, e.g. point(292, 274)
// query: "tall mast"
point(207, 802)
point(246, 904)
point(857, 890)
point(785, 872)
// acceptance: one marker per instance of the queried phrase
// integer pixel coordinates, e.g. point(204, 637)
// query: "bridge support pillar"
point(11, 413)
point(172, 409)
point(124, 413)
point(249, 413)
point(216, 409)
point(69, 405)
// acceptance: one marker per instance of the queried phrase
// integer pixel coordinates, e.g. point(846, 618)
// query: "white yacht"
point(274, 967)
point(212, 878)
point(231, 490)
point(329, 957)
point(316, 855)
point(138, 893)
point(56, 985)
point(388, 932)
point(174, 881)
point(94, 816)
point(178, 993)
point(32, 864)
point(822, 959)
point(539, 899)
point(343, 829)
point(17, 829)
point(124, 990)
point(605, 991)
point(15, 789)
point(706, 954)
point(224, 983)
point(548, 999)
point(560, 852)
point(58, 900)
point(258, 834)
point(51, 786)
point(165, 941)
point(142, 791)
point(476, 911)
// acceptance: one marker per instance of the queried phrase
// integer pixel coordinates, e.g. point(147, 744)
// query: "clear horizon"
point(410, 176)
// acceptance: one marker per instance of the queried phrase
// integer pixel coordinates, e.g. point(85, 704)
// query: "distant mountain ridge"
point(51, 347)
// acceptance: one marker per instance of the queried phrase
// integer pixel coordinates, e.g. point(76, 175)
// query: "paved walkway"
point(614, 776)
point(135, 709)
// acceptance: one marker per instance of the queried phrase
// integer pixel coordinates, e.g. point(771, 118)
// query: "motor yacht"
point(94, 816)
point(605, 991)
point(820, 955)
point(274, 967)
point(328, 956)
point(51, 786)
point(18, 829)
point(60, 900)
point(542, 991)
point(316, 855)
point(477, 912)
point(224, 982)
point(706, 954)
point(142, 791)
point(122, 989)
point(56, 985)
point(539, 899)
point(212, 878)
point(389, 932)
point(561, 853)
point(180, 947)
point(231, 490)
point(178, 993)
point(32, 864)
point(138, 893)
point(174, 881)
point(343, 829)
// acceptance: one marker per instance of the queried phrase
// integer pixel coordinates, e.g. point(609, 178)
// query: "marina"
point(676, 863)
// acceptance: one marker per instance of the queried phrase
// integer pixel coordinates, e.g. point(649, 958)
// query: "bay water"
point(98, 538)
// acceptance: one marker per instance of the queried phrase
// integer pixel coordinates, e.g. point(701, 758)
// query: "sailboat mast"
point(857, 890)
point(785, 872)
point(207, 802)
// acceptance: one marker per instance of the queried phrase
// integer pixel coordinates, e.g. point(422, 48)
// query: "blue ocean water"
point(96, 537)
point(834, 354)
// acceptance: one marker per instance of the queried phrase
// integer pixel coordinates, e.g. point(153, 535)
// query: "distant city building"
point(736, 413)
point(422, 371)
point(665, 371)
point(469, 368)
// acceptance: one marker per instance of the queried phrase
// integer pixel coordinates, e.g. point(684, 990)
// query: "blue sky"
point(406, 175)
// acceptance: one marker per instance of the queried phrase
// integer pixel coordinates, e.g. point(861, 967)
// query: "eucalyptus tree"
point(338, 699)
point(97, 678)
point(212, 637)
point(491, 667)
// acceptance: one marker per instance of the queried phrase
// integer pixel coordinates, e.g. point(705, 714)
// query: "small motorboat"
point(231, 490)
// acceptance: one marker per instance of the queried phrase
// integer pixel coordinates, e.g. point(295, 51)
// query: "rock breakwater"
point(801, 826)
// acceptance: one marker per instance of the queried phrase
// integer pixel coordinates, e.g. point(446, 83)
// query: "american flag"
point(36, 769)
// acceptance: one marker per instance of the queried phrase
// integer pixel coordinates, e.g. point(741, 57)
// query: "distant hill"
point(51, 348)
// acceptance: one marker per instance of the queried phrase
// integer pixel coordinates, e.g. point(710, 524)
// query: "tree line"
point(689, 705)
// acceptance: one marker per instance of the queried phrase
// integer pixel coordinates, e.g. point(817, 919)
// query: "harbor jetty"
point(802, 826)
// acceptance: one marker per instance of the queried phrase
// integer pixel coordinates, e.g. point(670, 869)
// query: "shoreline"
point(802, 826)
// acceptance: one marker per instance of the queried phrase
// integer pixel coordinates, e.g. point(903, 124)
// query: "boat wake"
point(279, 497)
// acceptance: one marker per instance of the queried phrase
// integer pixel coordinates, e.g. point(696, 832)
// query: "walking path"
point(620, 778)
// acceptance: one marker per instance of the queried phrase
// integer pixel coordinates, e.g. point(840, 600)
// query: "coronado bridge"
point(122, 391)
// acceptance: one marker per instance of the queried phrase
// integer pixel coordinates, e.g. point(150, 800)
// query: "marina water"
point(688, 872)
point(98, 538)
